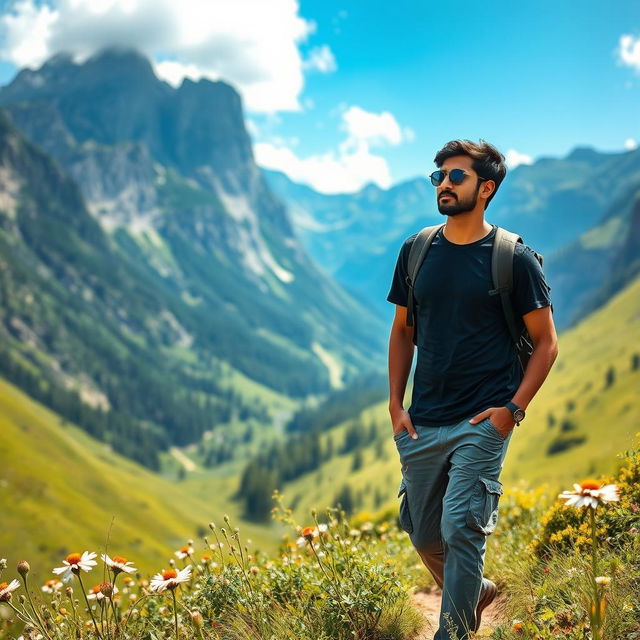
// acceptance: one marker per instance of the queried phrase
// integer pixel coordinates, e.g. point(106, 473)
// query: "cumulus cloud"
point(629, 51)
point(353, 165)
point(320, 59)
point(192, 38)
point(514, 158)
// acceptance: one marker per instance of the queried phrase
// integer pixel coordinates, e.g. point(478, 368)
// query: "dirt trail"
point(429, 604)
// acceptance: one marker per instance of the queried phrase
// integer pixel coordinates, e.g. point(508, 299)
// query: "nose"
point(445, 180)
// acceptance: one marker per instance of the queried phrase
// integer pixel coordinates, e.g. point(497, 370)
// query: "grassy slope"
point(60, 489)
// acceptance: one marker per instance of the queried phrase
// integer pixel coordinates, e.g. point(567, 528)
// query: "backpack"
point(502, 276)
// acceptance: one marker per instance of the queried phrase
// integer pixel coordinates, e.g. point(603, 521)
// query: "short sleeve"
point(399, 292)
point(530, 288)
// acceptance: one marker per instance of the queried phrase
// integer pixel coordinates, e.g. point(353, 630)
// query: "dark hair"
point(488, 162)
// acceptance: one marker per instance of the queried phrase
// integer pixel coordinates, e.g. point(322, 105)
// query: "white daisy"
point(590, 494)
point(51, 586)
point(170, 579)
point(7, 589)
point(74, 563)
point(118, 564)
point(184, 552)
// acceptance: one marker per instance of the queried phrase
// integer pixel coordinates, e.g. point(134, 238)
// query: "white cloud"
point(353, 164)
point(630, 144)
point(320, 59)
point(192, 38)
point(329, 172)
point(376, 128)
point(629, 51)
point(514, 158)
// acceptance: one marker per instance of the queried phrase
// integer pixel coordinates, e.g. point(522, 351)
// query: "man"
point(468, 387)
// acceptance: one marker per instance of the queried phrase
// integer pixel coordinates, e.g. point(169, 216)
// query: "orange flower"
point(309, 533)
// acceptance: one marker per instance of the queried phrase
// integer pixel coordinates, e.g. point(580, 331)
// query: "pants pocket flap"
point(493, 486)
point(483, 506)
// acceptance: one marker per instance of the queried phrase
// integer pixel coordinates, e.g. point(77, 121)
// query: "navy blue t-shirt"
point(467, 361)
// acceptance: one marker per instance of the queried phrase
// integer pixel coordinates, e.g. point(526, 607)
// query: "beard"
point(459, 206)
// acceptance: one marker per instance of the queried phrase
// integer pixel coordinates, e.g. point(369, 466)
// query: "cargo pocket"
point(404, 515)
point(483, 507)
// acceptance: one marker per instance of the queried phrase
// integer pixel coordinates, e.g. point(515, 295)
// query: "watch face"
point(518, 415)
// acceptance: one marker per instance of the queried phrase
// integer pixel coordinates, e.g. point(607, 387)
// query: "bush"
point(565, 528)
point(562, 443)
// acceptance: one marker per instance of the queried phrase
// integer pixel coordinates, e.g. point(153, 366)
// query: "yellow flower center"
point(119, 559)
point(74, 558)
point(3, 585)
point(307, 531)
point(590, 484)
point(186, 549)
point(169, 573)
point(96, 589)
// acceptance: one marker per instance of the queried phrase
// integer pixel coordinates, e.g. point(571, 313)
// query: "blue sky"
point(368, 91)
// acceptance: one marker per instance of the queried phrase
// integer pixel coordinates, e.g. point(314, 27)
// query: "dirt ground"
point(429, 604)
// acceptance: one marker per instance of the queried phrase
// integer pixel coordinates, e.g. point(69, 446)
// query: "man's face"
point(454, 199)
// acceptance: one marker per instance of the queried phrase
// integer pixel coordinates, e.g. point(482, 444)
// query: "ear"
point(488, 187)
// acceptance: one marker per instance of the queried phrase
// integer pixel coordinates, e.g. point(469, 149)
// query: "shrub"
point(563, 443)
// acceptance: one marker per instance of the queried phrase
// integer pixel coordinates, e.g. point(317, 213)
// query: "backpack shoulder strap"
point(504, 245)
point(417, 254)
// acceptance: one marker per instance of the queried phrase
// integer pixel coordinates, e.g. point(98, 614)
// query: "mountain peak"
point(585, 154)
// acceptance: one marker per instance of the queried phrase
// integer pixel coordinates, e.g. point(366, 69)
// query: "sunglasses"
point(456, 176)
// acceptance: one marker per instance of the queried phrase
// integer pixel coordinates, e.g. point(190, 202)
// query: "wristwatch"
point(517, 413)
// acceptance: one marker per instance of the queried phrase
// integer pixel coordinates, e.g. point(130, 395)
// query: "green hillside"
point(60, 490)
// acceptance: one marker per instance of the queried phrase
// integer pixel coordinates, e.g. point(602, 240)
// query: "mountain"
point(170, 173)
point(148, 266)
point(550, 203)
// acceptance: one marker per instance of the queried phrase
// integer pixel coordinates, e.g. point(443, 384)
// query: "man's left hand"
point(500, 417)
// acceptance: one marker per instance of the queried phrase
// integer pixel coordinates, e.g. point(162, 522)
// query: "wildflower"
point(102, 590)
point(322, 527)
point(184, 552)
point(603, 580)
point(309, 533)
point(23, 568)
point(590, 494)
point(170, 579)
point(7, 589)
point(517, 625)
point(197, 619)
point(74, 563)
point(118, 564)
point(51, 586)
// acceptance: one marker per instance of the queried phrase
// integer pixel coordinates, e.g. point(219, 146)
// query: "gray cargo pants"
point(450, 492)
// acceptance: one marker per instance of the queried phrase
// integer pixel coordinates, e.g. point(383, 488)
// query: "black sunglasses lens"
point(436, 178)
point(456, 176)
